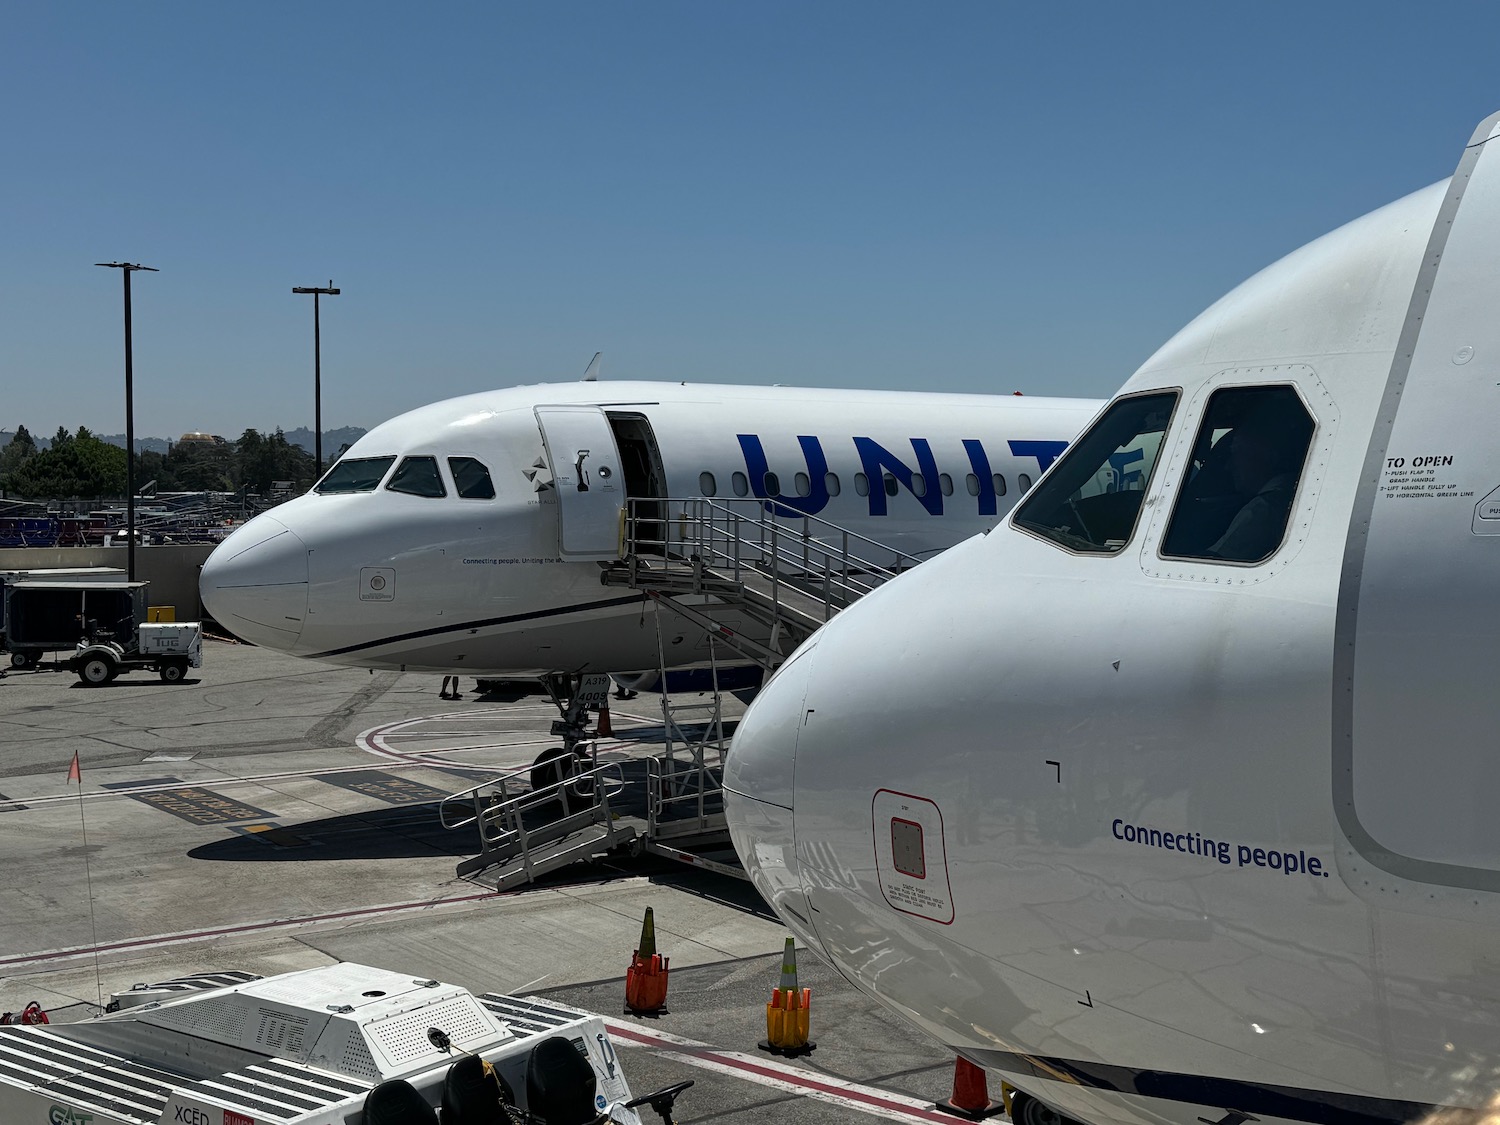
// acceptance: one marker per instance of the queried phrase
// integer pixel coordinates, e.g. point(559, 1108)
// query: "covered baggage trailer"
point(46, 615)
point(340, 1044)
point(102, 625)
point(67, 576)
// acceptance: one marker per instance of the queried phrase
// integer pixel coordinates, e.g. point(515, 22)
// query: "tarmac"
point(270, 814)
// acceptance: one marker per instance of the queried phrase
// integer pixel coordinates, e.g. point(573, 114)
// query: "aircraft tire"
point(1026, 1110)
point(552, 765)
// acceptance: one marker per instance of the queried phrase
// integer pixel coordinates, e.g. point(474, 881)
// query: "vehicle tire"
point(1026, 1110)
point(97, 670)
point(172, 671)
point(22, 660)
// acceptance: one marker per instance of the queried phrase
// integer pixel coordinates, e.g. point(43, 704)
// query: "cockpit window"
point(362, 474)
point(417, 476)
point(471, 478)
point(1237, 496)
point(1091, 499)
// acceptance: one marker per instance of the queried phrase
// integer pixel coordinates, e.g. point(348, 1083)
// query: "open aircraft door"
point(587, 474)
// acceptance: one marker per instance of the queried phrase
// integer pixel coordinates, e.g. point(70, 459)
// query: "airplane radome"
point(1178, 803)
point(469, 535)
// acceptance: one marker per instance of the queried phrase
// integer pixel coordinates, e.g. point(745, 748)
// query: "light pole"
point(317, 369)
point(128, 268)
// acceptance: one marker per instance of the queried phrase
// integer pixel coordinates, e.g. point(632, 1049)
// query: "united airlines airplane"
point(1189, 819)
point(470, 535)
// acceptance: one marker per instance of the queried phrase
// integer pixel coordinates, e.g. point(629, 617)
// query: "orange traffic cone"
point(646, 979)
point(604, 729)
point(790, 1011)
point(971, 1096)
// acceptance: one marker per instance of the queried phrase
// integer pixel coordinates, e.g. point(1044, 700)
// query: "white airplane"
point(470, 535)
point(1189, 819)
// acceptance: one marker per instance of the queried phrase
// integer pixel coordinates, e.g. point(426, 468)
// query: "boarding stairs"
point(784, 572)
point(778, 577)
point(526, 831)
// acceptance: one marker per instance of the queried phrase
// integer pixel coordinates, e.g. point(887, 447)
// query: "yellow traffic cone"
point(789, 1012)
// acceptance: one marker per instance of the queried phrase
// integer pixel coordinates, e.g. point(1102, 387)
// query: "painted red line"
point(244, 928)
point(790, 1075)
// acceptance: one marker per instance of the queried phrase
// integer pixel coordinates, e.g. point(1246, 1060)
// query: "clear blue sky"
point(979, 197)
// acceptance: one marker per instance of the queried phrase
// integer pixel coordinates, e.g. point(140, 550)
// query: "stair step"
point(585, 844)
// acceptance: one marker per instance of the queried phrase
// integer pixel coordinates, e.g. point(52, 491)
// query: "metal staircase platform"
point(583, 844)
point(525, 833)
point(786, 572)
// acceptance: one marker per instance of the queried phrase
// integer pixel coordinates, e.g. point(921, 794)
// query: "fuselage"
point(1176, 829)
point(401, 569)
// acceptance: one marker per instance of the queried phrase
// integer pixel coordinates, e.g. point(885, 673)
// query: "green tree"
point(14, 455)
point(77, 466)
point(198, 467)
point(262, 460)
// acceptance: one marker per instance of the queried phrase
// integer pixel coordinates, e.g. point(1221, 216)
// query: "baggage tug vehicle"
point(342, 1044)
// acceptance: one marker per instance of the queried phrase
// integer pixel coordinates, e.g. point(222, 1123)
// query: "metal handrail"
point(736, 535)
point(513, 807)
point(658, 775)
point(470, 792)
point(763, 515)
point(527, 797)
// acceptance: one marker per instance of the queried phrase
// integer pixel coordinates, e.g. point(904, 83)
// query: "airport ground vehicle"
point(167, 648)
point(321, 1046)
point(25, 656)
point(102, 625)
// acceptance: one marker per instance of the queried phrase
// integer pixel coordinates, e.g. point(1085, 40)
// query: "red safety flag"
point(74, 772)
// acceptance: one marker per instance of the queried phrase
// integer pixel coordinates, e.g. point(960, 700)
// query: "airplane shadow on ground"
point(396, 832)
point(400, 832)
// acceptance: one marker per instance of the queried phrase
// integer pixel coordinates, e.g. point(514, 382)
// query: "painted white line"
point(162, 941)
point(771, 1072)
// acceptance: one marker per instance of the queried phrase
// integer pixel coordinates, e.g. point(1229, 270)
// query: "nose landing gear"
point(572, 696)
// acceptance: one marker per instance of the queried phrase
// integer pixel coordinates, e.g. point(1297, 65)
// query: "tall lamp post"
point(126, 269)
point(330, 291)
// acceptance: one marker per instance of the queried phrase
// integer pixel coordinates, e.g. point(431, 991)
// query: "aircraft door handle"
point(583, 480)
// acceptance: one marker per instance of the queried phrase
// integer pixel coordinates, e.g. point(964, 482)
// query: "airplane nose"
point(255, 583)
point(762, 760)
point(759, 777)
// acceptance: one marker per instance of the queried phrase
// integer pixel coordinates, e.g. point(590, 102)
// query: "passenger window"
point(1091, 499)
point(707, 485)
point(831, 483)
point(971, 482)
point(861, 484)
point(1236, 497)
point(918, 484)
point(945, 483)
point(999, 482)
point(890, 485)
point(772, 484)
point(360, 475)
point(471, 478)
point(417, 476)
point(1023, 482)
point(740, 483)
point(803, 484)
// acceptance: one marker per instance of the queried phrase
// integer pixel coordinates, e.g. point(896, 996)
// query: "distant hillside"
point(142, 444)
point(333, 440)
